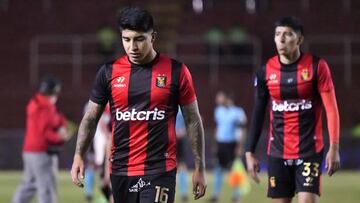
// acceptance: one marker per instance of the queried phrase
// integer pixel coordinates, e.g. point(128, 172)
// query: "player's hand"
point(253, 167)
point(332, 159)
point(77, 171)
point(199, 183)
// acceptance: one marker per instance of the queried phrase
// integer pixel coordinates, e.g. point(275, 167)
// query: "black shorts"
point(144, 189)
point(181, 149)
point(226, 154)
point(299, 175)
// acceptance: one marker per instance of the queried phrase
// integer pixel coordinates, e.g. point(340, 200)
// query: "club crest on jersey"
point(161, 81)
point(305, 74)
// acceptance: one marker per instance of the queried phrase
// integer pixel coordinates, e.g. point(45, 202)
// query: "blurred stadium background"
point(223, 42)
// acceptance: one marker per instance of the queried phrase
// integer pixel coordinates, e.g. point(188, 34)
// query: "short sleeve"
point(324, 79)
point(100, 91)
point(186, 88)
point(217, 115)
point(242, 119)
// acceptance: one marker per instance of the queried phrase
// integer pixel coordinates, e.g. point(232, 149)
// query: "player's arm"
point(333, 121)
point(195, 132)
point(85, 135)
point(257, 120)
point(327, 93)
point(99, 97)
point(241, 134)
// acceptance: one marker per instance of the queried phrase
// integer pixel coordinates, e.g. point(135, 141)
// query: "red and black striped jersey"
point(144, 101)
point(296, 129)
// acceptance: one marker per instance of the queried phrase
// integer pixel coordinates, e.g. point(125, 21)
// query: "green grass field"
point(343, 187)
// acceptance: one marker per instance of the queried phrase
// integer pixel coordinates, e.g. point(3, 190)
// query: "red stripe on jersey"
point(272, 78)
point(270, 134)
point(319, 143)
point(137, 146)
point(305, 78)
point(112, 145)
point(171, 149)
point(119, 80)
point(291, 135)
point(160, 91)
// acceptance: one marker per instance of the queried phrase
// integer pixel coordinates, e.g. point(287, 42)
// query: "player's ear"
point(153, 36)
point(301, 39)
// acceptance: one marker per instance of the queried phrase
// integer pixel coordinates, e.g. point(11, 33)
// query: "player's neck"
point(290, 58)
point(149, 58)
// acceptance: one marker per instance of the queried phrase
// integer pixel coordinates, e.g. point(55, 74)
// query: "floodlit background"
point(223, 42)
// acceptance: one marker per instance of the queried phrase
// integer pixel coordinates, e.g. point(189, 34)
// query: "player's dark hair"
point(50, 86)
point(135, 18)
point(228, 93)
point(292, 22)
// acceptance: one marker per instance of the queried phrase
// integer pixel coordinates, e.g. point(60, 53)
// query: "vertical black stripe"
point(288, 90)
point(277, 144)
point(307, 118)
point(174, 89)
point(139, 93)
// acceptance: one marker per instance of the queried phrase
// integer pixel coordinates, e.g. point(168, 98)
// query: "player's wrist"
point(78, 156)
point(200, 167)
point(249, 153)
point(334, 147)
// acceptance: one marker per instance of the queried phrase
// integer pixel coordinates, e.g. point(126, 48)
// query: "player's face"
point(220, 98)
point(138, 45)
point(287, 40)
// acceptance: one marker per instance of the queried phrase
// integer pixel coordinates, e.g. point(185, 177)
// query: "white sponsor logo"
point(120, 82)
point(134, 115)
point(291, 106)
point(140, 184)
point(272, 78)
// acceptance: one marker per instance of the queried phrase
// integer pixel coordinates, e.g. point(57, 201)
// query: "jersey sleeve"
point(324, 81)
point(100, 92)
point(186, 88)
point(217, 113)
point(241, 117)
point(257, 120)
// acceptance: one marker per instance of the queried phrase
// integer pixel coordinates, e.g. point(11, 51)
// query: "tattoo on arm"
point(87, 127)
point(195, 131)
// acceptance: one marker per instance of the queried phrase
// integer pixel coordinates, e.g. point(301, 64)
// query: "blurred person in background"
point(107, 43)
point(46, 131)
point(144, 89)
point(181, 143)
point(298, 86)
point(230, 135)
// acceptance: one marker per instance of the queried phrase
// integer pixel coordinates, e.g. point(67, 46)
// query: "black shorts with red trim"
point(144, 189)
point(290, 176)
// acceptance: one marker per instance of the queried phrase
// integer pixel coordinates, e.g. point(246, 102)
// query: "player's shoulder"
point(173, 60)
point(239, 108)
point(219, 108)
point(273, 60)
point(107, 66)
